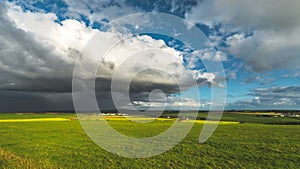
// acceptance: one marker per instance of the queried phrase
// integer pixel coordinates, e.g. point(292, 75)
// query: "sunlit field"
point(33, 120)
point(58, 141)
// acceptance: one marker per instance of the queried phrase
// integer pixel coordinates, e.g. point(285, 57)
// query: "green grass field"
point(64, 144)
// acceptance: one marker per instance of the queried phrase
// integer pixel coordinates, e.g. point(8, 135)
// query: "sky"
point(245, 58)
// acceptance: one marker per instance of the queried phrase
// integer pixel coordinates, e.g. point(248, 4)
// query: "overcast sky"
point(257, 42)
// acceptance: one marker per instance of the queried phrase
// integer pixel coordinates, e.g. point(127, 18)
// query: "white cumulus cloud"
point(265, 33)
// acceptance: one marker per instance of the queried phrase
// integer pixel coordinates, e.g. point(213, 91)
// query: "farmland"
point(64, 144)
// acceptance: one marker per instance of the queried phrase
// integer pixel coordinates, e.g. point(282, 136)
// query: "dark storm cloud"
point(35, 75)
point(17, 101)
point(28, 65)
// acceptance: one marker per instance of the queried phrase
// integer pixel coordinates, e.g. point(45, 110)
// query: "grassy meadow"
point(63, 143)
